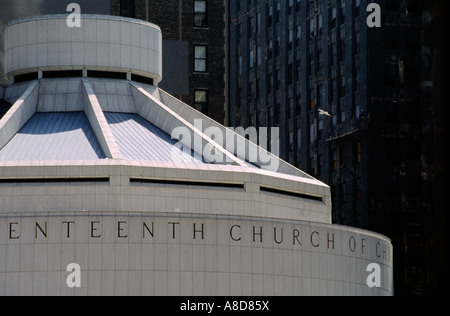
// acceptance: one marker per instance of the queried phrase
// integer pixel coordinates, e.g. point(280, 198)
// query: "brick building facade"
point(194, 46)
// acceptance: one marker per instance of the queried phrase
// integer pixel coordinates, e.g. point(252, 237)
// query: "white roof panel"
point(54, 136)
point(138, 139)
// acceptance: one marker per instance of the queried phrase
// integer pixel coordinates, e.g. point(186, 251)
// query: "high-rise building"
point(354, 107)
point(193, 45)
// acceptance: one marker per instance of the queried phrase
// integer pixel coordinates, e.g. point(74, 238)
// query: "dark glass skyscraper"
point(354, 107)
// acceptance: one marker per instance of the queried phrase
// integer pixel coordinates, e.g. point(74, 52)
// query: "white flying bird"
point(322, 112)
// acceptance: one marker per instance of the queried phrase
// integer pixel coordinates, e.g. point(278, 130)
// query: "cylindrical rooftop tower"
point(102, 43)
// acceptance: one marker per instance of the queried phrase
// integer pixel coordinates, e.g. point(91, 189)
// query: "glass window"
point(358, 152)
point(200, 13)
point(201, 100)
point(127, 8)
point(200, 56)
point(312, 133)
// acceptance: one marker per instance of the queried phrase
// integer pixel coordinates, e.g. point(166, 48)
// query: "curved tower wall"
point(102, 43)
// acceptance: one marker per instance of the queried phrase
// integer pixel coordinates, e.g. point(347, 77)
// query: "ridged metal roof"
point(54, 136)
point(138, 139)
point(139, 129)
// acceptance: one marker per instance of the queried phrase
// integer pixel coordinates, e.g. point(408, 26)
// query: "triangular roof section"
point(164, 124)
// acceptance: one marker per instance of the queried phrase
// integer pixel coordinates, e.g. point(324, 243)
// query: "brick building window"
point(357, 8)
point(200, 58)
point(358, 152)
point(201, 100)
point(333, 17)
point(200, 13)
point(127, 8)
point(334, 164)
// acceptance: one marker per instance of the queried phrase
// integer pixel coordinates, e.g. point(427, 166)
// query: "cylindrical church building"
point(111, 186)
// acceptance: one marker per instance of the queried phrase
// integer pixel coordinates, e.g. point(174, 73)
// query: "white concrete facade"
point(103, 43)
point(168, 254)
point(156, 226)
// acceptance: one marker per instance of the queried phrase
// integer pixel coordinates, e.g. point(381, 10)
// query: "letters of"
point(198, 231)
